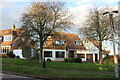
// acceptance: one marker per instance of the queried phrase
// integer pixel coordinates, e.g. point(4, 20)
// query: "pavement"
point(15, 77)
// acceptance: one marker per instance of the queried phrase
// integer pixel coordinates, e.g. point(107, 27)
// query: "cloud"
point(80, 11)
point(106, 2)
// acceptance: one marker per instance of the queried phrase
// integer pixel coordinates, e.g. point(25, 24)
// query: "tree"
point(41, 18)
point(97, 27)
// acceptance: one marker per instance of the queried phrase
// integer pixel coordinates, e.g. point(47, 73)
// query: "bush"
point(11, 55)
point(108, 61)
point(48, 60)
point(76, 60)
point(69, 59)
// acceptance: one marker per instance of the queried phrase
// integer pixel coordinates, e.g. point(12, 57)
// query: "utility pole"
point(113, 34)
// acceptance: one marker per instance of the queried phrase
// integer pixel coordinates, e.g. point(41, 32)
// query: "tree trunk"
point(41, 52)
point(100, 53)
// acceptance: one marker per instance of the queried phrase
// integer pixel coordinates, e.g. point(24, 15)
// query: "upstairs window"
point(8, 38)
point(59, 42)
point(78, 43)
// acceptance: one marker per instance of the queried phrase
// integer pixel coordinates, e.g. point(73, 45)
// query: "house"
point(11, 41)
point(59, 45)
point(92, 47)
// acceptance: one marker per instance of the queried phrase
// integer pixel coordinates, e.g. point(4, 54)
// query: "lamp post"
point(113, 33)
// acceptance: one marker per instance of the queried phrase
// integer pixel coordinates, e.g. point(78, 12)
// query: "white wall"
point(18, 52)
point(54, 55)
point(91, 48)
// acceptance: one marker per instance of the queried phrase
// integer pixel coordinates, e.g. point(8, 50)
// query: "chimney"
point(13, 27)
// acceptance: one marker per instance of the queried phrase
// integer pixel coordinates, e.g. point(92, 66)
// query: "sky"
point(12, 10)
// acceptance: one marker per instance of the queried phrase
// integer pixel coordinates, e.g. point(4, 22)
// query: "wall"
point(54, 55)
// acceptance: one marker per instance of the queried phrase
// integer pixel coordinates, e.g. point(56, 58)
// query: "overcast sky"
point(11, 10)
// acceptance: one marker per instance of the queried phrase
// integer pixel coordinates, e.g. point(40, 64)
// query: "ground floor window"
point(80, 55)
point(47, 53)
point(60, 54)
point(4, 49)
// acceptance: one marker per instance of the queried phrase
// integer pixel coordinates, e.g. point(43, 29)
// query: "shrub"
point(48, 60)
point(11, 55)
point(108, 61)
point(78, 60)
point(69, 59)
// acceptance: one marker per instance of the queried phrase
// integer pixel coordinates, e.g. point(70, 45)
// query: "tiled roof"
point(68, 38)
point(9, 31)
point(95, 42)
point(6, 43)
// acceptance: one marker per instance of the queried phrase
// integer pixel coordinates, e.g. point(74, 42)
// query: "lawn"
point(58, 69)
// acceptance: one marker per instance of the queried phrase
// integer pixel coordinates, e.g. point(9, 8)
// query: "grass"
point(58, 69)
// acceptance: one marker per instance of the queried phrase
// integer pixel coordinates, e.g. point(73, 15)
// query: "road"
point(15, 77)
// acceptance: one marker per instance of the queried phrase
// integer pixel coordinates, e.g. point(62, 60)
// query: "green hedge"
point(75, 60)
point(11, 55)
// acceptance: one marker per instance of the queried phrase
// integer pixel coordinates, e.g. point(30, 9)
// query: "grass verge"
point(58, 69)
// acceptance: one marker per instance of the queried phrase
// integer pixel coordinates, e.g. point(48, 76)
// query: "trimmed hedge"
point(75, 60)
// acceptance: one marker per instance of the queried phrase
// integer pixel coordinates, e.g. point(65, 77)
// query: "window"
point(81, 55)
point(77, 43)
point(5, 49)
point(8, 38)
point(47, 53)
point(60, 54)
point(59, 42)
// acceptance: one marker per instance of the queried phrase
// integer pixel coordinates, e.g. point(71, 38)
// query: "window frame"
point(50, 54)
point(6, 38)
point(58, 54)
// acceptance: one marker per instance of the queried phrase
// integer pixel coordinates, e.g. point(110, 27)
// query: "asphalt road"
point(15, 77)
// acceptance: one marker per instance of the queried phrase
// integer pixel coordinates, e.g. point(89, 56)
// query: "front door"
point(89, 57)
point(96, 57)
point(71, 54)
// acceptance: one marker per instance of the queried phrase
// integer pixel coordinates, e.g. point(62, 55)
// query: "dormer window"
point(7, 38)
point(59, 42)
point(0, 38)
point(78, 43)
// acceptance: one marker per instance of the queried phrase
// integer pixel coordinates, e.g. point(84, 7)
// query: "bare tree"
point(41, 18)
point(97, 27)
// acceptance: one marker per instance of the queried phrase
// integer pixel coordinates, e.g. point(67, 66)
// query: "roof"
point(6, 43)
point(68, 38)
point(96, 43)
point(9, 31)
point(17, 31)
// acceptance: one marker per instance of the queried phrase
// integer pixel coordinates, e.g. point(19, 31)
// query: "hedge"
point(75, 60)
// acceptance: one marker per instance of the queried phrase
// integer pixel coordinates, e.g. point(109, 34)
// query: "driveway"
point(15, 77)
